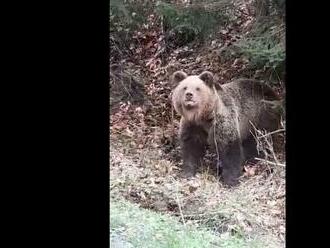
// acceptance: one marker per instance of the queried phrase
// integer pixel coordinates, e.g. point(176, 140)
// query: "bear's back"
point(247, 88)
point(245, 97)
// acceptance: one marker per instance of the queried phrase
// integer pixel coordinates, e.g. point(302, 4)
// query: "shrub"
point(262, 51)
point(265, 46)
point(184, 24)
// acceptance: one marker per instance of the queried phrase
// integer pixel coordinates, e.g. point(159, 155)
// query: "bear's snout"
point(189, 96)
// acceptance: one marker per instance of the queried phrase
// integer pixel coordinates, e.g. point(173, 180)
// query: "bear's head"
point(194, 96)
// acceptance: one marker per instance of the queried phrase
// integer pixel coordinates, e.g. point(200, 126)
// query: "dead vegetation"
point(256, 207)
point(149, 176)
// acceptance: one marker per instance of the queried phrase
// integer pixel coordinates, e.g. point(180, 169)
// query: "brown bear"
point(220, 116)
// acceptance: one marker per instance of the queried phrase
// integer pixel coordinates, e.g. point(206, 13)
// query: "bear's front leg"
point(192, 152)
point(193, 145)
point(232, 164)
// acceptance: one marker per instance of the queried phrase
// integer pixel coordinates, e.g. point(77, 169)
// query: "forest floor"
point(254, 210)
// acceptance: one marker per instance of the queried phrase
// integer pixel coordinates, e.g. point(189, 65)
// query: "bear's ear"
point(178, 76)
point(207, 77)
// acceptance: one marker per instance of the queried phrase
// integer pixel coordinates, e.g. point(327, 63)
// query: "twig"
point(178, 202)
point(177, 198)
point(269, 162)
point(203, 215)
point(214, 133)
point(216, 143)
point(269, 143)
point(277, 131)
point(271, 148)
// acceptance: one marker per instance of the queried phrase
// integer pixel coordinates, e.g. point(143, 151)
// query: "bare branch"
point(269, 162)
point(277, 131)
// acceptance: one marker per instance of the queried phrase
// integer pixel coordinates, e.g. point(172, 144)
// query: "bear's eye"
point(198, 89)
point(184, 88)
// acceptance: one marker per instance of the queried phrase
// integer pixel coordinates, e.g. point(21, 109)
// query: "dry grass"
point(255, 208)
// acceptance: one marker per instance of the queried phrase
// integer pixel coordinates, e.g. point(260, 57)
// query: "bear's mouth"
point(189, 104)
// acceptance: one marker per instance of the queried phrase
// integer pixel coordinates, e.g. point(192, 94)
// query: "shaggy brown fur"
point(220, 116)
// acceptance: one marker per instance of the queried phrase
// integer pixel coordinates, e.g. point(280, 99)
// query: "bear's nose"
point(189, 95)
